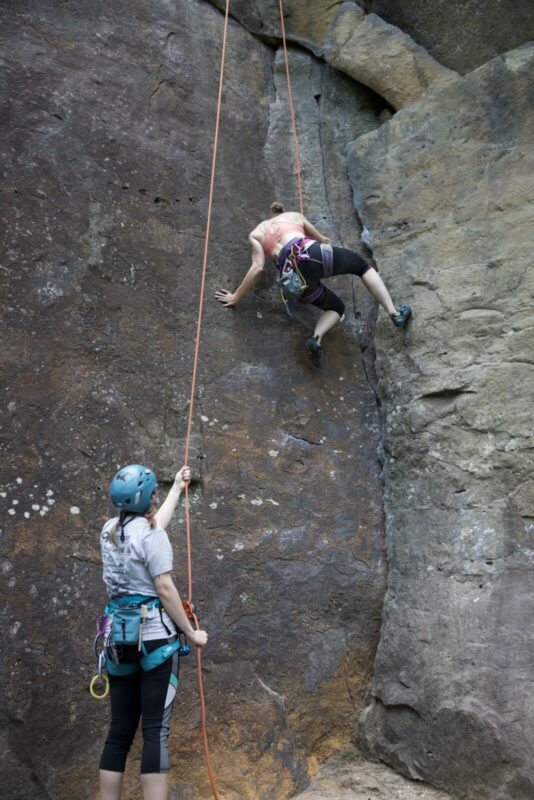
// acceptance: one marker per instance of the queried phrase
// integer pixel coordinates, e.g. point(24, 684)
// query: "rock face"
point(445, 191)
point(106, 150)
point(346, 778)
point(106, 146)
point(462, 34)
point(382, 57)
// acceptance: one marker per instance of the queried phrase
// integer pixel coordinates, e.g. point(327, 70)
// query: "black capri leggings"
point(345, 262)
point(148, 695)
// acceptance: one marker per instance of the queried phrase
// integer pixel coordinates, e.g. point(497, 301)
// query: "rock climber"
point(137, 569)
point(298, 249)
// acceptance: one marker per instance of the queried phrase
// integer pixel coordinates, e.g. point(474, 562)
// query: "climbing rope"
point(189, 607)
point(291, 108)
point(189, 603)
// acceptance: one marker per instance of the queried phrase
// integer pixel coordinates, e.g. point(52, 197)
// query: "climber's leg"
point(377, 289)
point(326, 321)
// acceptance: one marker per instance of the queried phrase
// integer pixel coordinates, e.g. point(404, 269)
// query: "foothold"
point(74, 510)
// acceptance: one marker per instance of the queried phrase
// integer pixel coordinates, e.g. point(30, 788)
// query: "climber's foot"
point(401, 319)
point(314, 350)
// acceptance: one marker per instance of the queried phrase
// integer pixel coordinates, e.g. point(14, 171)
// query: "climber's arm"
point(249, 281)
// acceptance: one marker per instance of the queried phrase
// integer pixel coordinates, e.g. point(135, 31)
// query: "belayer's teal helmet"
point(132, 487)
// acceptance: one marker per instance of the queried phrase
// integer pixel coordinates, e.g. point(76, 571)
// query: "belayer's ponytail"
point(117, 527)
point(277, 207)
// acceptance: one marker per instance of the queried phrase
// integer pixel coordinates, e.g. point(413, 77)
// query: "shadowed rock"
point(106, 148)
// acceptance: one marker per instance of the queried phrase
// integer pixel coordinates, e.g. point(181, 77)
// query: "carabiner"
point(105, 682)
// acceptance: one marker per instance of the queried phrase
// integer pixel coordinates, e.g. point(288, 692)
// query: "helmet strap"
point(122, 517)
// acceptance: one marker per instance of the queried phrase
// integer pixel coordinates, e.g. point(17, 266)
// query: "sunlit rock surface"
point(349, 778)
point(382, 57)
point(445, 190)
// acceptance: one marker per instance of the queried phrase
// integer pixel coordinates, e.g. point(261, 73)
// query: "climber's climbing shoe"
point(314, 350)
point(401, 319)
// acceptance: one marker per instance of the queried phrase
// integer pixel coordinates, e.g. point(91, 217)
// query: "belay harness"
point(291, 281)
point(122, 624)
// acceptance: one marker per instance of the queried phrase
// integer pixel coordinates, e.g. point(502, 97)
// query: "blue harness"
point(128, 615)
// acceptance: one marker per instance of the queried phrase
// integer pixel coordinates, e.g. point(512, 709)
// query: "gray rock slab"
point(350, 777)
point(461, 34)
point(445, 191)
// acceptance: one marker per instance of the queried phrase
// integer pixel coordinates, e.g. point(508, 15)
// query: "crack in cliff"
point(321, 150)
point(302, 439)
point(272, 39)
point(363, 349)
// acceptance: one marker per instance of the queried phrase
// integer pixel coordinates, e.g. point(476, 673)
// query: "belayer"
point(304, 257)
point(142, 625)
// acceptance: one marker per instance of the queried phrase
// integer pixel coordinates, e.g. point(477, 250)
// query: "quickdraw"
point(100, 693)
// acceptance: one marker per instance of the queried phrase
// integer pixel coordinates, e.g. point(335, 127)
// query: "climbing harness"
point(291, 281)
point(122, 624)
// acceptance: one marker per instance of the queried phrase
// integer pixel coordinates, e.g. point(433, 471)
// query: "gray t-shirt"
point(130, 567)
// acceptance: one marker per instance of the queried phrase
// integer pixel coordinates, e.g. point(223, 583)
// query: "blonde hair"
point(277, 207)
point(149, 515)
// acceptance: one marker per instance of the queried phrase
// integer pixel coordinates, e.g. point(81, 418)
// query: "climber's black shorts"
point(146, 695)
point(345, 262)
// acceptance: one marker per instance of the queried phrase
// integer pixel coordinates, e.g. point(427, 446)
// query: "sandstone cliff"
point(107, 135)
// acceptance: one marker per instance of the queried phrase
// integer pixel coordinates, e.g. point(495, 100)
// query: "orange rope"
point(291, 108)
point(192, 403)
